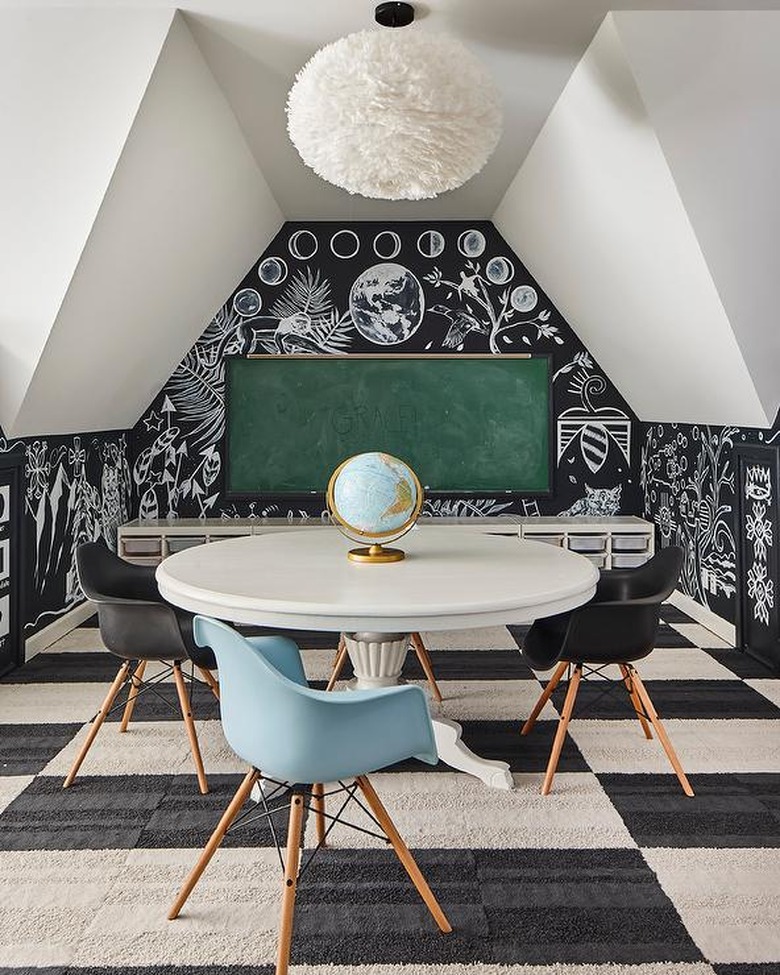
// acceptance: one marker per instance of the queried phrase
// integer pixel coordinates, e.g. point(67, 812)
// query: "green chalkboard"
point(464, 424)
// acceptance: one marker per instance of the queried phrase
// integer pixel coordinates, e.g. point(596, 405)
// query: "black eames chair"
point(138, 626)
point(618, 626)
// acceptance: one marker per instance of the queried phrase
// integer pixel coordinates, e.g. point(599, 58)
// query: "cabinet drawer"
point(630, 543)
point(177, 543)
point(599, 559)
point(588, 543)
point(547, 539)
point(140, 545)
point(629, 560)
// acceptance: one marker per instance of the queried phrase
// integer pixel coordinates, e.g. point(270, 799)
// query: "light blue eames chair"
point(301, 737)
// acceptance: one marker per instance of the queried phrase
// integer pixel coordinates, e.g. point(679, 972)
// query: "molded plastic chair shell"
point(135, 621)
point(276, 723)
point(620, 622)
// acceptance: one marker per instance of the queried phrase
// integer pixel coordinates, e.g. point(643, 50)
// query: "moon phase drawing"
point(247, 302)
point(380, 244)
point(386, 303)
point(524, 298)
point(471, 243)
point(303, 245)
point(345, 244)
point(499, 270)
point(273, 270)
point(430, 243)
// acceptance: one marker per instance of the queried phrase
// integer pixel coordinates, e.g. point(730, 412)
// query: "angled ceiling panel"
point(596, 214)
point(710, 81)
point(186, 212)
point(71, 81)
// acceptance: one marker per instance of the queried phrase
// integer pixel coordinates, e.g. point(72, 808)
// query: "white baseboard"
point(720, 627)
point(56, 630)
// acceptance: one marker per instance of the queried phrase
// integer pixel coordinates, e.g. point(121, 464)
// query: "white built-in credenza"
point(622, 541)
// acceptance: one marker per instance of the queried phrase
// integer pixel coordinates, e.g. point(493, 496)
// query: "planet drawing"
point(471, 243)
point(247, 302)
point(524, 298)
point(386, 303)
point(273, 270)
point(430, 243)
point(499, 270)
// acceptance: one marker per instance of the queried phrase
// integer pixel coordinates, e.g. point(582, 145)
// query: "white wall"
point(71, 81)
point(186, 213)
point(595, 212)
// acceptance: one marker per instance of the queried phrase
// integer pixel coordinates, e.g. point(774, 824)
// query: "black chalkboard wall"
point(464, 424)
point(450, 288)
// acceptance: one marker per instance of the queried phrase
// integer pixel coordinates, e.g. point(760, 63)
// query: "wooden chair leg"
point(318, 802)
point(206, 674)
point(341, 656)
point(291, 864)
point(425, 662)
point(186, 713)
point(637, 704)
point(135, 690)
point(660, 731)
point(100, 717)
point(563, 724)
point(546, 694)
point(403, 854)
point(216, 838)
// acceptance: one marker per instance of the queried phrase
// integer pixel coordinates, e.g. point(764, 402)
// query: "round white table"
point(449, 580)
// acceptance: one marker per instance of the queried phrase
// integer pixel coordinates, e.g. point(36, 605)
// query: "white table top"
point(449, 580)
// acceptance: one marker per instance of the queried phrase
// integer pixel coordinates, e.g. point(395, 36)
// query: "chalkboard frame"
point(291, 497)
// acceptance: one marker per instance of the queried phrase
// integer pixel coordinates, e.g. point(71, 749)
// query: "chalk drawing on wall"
point(387, 304)
point(688, 481)
point(345, 244)
point(759, 532)
point(499, 270)
point(272, 270)
point(303, 321)
point(431, 243)
point(471, 243)
point(76, 491)
point(247, 302)
point(489, 312)
point(597, 502)
point(590, 429)
point(463, 508)
point(387, 245)
point(303, 245)
point(523, 298)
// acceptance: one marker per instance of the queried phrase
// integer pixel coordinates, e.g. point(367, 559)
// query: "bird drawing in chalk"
point(468, 285)
point(462, 324)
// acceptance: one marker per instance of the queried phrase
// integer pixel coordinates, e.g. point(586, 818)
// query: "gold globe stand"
point(376, 553)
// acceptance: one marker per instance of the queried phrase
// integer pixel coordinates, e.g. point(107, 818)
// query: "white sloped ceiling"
point(71, 81)
point(185, 211)
point(597, 215)
point(711, 84)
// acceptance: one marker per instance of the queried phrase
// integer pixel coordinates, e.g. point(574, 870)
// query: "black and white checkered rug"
point(615, 872)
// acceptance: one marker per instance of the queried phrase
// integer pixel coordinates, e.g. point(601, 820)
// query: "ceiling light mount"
point(394, 14)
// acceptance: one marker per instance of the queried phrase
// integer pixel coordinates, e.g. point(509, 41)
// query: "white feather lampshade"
point(394, 114)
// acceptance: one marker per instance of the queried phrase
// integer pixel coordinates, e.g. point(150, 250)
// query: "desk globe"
point(376, 498)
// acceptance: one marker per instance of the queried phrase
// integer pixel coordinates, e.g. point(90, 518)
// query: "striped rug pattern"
point(615, 872)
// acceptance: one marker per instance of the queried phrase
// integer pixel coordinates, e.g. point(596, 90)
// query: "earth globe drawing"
point(375, 498)
point(386, 303)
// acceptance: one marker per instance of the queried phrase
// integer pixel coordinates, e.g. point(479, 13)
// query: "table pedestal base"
point(377, 660)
